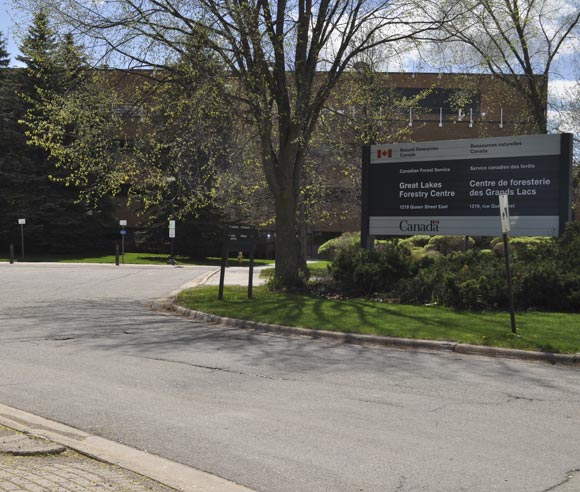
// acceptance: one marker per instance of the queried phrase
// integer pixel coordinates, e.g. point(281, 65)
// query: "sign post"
point(21, 222)
point(225, 253)
point(123, 233)
point(504, 211)
point(242, 238)
point(172, 239)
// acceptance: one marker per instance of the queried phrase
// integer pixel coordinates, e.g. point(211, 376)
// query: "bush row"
point(545, 271)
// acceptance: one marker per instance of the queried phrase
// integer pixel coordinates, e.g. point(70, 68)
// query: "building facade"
point(389, 108)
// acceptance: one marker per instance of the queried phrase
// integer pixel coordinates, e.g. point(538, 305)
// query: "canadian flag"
point(384, 153)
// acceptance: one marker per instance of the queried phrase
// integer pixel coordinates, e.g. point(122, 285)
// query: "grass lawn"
point(316, 268)
point(233, 262)
point(134, 259)
point(130, 258)
point(541, 331)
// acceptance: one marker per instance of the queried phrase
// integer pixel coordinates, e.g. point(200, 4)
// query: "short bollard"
point(117, 254)
point(12, 254)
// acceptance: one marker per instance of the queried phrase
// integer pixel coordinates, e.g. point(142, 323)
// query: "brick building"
point(411, 107)
point(395, 107)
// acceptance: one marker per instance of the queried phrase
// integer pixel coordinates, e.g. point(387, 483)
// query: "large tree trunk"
point(540, 113)
point(290, 264)
point(284, 179)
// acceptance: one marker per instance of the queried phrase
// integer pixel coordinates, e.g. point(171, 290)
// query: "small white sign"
point(22, 221)
point(122, 222)
point(172, 224)
point(504, 211)
point(171, 233)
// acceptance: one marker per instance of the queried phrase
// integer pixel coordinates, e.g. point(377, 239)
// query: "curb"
point(161, 470)
point(385, 341)
point(165, 303)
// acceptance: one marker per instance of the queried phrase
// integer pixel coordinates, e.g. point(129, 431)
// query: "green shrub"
point(329, 249)
point(418, 241)
point(545, 271)
point(415, 289)
point(532, 249)
point(421, 254)
point(416, 247)
point(358, 271)
point(495, 241)
point(569, 246)
point(465, 294)
point(526, 248)
point(464, 280)
point(571, 233)
point(476, 280)
point(482, 242)
point(549, 286)
point(448, 244)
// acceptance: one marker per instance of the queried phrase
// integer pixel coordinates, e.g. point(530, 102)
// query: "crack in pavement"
point(402, 481)
point(525, 398)
point(510, 398)
point(575, 473)
point(216, 369)
point(379, 402)
point(436, 409)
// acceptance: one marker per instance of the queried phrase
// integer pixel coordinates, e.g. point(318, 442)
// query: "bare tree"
point(565, 112)
point(286, 56)
point(514, 37)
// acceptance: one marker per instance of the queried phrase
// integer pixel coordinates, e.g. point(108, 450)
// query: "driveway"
point(79, 344)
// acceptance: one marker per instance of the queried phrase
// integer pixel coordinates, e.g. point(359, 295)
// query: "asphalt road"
point(78, 344)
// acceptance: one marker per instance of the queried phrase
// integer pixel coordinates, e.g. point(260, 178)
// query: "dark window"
point(431, 100)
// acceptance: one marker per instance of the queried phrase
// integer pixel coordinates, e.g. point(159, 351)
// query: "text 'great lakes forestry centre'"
point(452, 187)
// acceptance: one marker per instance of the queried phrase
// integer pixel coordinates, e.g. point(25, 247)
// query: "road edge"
point(360, 339)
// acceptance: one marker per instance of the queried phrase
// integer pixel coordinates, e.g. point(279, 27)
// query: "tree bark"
point(289, 262)
point(538, 97)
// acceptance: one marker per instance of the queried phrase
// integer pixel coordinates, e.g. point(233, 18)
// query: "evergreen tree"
point(14, 154)
point(54, 222)
point(4, 56)
point(39, 50)
point(70, 63)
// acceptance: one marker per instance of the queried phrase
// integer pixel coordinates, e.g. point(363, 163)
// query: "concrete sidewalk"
point(40, 455)
point(236, 275)
point(33, 465)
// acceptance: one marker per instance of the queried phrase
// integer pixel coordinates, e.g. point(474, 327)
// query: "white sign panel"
point(450, 225)
point(504, 213)
point(447, 150)
point(22, 221)
point(122, 222)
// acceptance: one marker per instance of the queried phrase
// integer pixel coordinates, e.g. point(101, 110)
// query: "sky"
point(14, 21)
point(10, 19)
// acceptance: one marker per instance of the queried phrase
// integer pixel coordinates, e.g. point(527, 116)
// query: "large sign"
point(452, 187)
